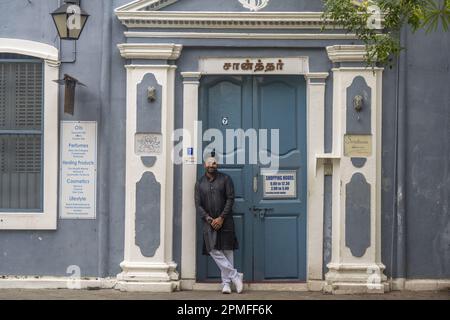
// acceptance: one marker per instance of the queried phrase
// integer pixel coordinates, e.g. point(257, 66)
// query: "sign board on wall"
point(357, 145)
point(280, 184)
point(78, 168)
point(261, 66)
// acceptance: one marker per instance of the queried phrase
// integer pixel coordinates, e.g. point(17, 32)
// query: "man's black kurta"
point(213, 199)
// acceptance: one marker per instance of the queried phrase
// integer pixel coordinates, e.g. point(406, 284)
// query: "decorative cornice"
point(347, 53)
point(241, 36)
point(162, 51)
point(222, 20)
point(147, 5)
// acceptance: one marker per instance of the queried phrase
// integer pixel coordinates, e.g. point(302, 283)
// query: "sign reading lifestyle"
point(78, 170)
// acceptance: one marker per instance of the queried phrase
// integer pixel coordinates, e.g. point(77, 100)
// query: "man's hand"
point(217, 223)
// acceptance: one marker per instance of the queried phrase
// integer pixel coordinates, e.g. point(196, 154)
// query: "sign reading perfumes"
point(281, 184)
point(78, 170)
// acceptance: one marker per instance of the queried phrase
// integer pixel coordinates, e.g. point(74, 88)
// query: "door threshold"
point(252, 286)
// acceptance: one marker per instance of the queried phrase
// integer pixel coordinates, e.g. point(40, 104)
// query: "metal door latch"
point(260, 212)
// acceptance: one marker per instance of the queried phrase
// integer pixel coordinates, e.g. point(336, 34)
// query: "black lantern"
point(70, 20)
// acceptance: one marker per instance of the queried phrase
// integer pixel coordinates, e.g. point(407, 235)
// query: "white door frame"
point(315, 174)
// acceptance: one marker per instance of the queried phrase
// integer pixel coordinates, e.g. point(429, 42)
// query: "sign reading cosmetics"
point(78, 170)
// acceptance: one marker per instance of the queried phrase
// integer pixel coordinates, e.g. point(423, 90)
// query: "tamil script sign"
point(247, 65)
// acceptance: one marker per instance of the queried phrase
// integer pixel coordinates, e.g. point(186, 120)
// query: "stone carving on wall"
point(148, 144)
point(254, 5)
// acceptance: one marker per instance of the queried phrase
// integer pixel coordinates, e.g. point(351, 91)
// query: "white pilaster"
point(156, 273)
point(316, 134)
point(347, 273)
point(191, 85)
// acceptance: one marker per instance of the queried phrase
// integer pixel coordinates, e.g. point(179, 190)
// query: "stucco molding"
point(47, 219)
point(241, 35)
point(147, 5)
point(222, 20)
point(316, 108)
point(165, 51)
point(348, 273)
point(30, 48)
point(139, 272)
point(347, 53)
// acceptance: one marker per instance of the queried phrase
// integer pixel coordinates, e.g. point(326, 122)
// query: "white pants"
point(225, 261)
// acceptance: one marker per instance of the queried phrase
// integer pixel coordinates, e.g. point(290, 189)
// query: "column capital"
point(317, 77)
point(347, 53)
point(191, 77)
point(162, 51)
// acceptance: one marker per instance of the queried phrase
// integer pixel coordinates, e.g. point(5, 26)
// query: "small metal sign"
point(357, 145)
point(280, 184)
point(190, 158)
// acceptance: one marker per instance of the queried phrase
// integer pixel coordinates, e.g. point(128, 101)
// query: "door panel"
point(280, 225)
point(278, 110)
point(271, 232)
point(230, 98)
point(279, 262)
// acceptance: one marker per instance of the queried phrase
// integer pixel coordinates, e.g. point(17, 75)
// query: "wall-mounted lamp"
point(70, 20)
point(151, 94)
point(358, 102)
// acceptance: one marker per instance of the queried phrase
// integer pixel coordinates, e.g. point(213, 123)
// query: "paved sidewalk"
point(16, 294)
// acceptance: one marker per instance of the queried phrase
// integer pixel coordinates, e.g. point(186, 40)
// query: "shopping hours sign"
point(280, 184)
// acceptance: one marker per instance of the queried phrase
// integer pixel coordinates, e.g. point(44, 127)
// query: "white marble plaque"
point(78, 170)
point(148, 144)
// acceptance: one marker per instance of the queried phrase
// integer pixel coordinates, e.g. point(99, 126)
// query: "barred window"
point(21, 133)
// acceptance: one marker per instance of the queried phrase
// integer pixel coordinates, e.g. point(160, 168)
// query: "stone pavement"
point(19, 294)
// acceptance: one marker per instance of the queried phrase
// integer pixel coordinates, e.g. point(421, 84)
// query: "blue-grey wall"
point(427, 120)
point(416, 133)
point(96, 246)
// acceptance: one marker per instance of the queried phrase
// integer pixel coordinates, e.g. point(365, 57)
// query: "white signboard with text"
point(78, 167)
point(280, 184)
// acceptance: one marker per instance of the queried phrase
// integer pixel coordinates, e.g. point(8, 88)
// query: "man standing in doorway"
point(214, 199)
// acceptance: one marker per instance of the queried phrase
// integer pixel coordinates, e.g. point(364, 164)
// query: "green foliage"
point(357, 16)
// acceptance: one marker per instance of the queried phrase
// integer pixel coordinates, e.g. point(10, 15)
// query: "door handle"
point(260, 212)
point(263, 212)
point(255, 184)
point(256, 210)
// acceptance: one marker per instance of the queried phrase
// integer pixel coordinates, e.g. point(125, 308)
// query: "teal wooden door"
point(270, 226)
